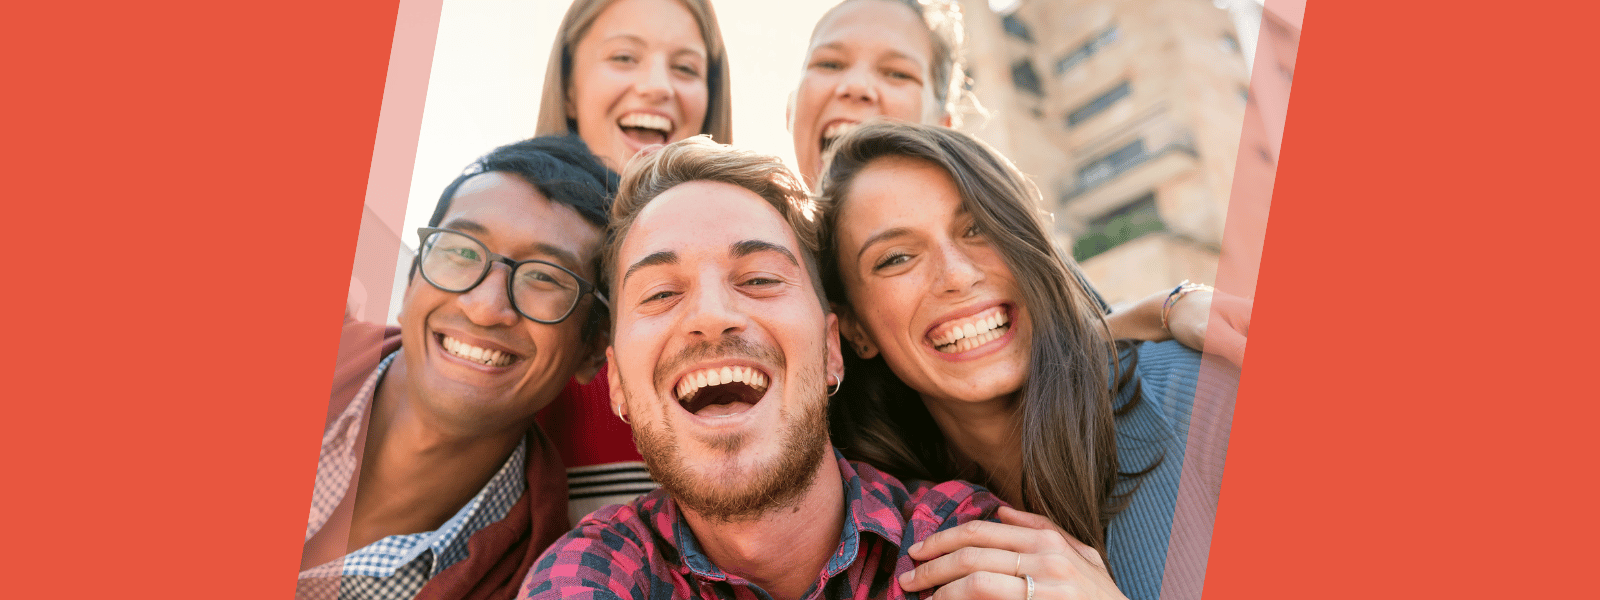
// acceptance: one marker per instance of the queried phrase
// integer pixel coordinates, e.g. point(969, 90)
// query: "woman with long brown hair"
point(978, 355)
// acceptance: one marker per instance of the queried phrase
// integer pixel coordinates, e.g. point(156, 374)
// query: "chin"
point(733, 483)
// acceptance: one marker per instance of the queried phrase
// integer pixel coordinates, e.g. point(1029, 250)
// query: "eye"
point(688, 70)
point(973, 231)
point(827, 65)
point(759, 281)
point(891, 260)
point(901, 75)
point(624, 59)
point(659, 296)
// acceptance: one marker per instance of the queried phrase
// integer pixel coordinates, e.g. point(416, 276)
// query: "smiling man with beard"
point(723, 353)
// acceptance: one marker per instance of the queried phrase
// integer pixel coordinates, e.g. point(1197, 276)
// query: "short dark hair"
point(563, 170)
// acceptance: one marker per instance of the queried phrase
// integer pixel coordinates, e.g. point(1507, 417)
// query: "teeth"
point(646, 121)
point(693, 382)
point(838, 129)
point(968, 343)
point(493, 358)
point(985, 325)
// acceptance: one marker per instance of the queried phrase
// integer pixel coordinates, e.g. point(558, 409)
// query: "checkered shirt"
point(397, 566)
point(646, 550)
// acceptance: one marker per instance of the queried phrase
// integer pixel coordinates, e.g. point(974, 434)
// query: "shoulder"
point(927, 506)
point(606, 555)
point(1164, 371)
point(362, 346)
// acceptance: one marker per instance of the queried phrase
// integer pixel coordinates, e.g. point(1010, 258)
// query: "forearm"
point(1142, 321)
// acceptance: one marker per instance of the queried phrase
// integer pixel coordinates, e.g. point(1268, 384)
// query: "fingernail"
point(905, 578)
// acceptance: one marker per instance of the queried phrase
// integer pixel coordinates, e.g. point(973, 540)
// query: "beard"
point(728, 487)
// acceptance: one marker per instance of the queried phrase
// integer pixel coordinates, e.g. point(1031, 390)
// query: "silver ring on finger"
point(1029, 580)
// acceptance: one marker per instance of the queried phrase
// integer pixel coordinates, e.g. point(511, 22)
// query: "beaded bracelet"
point(1177, 294)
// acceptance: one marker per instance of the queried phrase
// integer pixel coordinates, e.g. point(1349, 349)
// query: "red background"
point(186, 181)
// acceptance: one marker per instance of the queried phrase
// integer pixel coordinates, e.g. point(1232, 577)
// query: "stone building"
point(1127, 114)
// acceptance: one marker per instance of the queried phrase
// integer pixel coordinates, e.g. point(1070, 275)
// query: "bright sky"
point(489, 62)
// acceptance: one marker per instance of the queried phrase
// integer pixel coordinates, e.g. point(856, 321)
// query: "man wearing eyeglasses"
point(459, 490)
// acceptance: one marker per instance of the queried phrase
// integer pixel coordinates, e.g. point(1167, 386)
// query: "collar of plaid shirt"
point(441, 547)
point(870, 509)
point(647, 548)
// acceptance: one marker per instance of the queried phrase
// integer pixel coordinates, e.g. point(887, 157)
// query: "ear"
point(853, 332)
point(835, 359)
point(597, 357)
point(614, 381)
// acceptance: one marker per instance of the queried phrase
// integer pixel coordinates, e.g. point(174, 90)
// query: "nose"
point(655, 82)
point(857, 84)
point(489, 304)
point(958, 272)
point(712, 313)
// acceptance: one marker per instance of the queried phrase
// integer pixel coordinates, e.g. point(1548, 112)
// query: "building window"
point(1016, 28)
point(1111, 165)
point(1025, 78)
point(1082, 53)
point(1099, 104)
point(1119, 227)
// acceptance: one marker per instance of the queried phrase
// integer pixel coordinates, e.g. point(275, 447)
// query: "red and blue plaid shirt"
point(646, 550)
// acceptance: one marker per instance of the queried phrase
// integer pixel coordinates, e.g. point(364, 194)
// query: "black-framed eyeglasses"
point(543, 292)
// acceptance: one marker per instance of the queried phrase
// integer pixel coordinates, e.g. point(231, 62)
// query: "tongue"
point(645, 136)
point(723, 410)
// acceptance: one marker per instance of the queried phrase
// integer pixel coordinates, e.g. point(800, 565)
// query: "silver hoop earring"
point(624, 418)
point(838, 384)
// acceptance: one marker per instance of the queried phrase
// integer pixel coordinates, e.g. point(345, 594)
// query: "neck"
point(985, 434)
point(414, 473)
point(785, 549)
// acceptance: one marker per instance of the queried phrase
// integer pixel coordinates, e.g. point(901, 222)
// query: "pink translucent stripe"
point(1200, 481)
point(393, 154)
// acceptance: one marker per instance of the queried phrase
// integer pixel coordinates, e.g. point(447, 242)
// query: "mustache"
point(726, 347)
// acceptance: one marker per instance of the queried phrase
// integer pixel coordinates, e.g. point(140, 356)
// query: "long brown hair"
point(580, 16)
point(1068, 437)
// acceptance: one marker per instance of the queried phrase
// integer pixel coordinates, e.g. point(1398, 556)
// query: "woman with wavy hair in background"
point(978, 355)
point(626, 74)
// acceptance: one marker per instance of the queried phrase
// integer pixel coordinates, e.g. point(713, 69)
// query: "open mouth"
point(721, 391)
point(833, 131)
point(645, 128)
point(483, 356)
point(967, 333)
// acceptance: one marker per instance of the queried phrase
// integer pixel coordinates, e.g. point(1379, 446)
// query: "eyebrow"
point(637, 40)
point(893, 54)
point(664, 257)
point(880, 236)
point(561, 255)
point(745, 248)
point(739, 249)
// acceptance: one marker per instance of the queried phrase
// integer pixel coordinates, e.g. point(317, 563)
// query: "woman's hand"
point(983, 560)
point(1194, 311)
